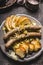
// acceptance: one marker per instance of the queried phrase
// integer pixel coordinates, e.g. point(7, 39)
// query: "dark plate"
point(28, 57)
point(8, 4)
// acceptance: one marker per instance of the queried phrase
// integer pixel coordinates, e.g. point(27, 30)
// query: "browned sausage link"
point(18, 30)
point(10, 33)
point(10, 42)
point(22, 36)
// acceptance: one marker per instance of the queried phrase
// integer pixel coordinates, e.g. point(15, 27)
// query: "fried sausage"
point(22, 36)
point(7, 35)
point(18, 30)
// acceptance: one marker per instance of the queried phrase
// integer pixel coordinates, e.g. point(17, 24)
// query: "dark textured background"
point(4, 60)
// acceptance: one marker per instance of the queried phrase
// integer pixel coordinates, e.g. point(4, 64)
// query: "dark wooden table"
point(4, 60)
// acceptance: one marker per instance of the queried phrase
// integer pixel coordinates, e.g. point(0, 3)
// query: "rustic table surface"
point(4, 60)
